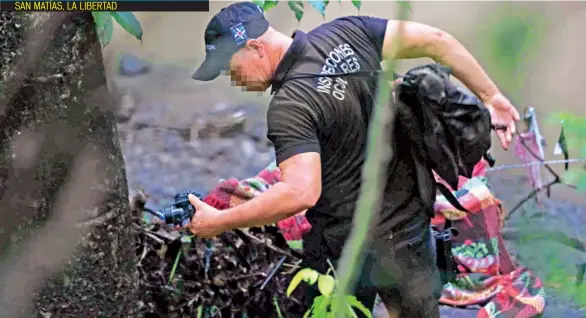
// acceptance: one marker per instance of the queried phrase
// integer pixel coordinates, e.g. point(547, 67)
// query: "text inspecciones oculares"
point(341, 59)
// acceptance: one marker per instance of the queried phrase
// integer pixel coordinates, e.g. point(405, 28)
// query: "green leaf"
point(296, 244)
point(128, 22)
point(325, 284)
point(307, 275)
point(297, 7)
point(352, 301)
point(320, 6)
point(104, 27)
point(308, 313)
point(320, 306)
point(406, 5)
point(269, 4)
point(357, 4)
point(277, 307)
point(172, 274)
point(260, 3)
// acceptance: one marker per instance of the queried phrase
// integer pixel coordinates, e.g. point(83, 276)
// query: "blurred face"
point(250, 67)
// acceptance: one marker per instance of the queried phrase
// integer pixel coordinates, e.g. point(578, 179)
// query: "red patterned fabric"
point(521, 143)
point(478, 171)
point(487, 275)
point(221, 195)
point(232, 192)
point(294, 227)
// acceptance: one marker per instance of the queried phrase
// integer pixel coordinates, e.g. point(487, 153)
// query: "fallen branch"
point(267, 244)
point(529, 196)
point(242, 277)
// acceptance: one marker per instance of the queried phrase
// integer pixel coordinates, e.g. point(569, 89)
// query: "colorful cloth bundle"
point(487, 275)
point(231, 192)
point(487, 278)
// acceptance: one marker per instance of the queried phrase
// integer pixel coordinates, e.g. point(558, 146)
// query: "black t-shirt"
point(330, 116)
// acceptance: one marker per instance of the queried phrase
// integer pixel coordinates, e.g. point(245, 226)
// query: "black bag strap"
point(449, 195)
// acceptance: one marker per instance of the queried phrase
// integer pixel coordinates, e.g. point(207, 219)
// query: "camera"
point(180, 212)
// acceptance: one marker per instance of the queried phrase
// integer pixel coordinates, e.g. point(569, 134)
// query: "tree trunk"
point(66, 237)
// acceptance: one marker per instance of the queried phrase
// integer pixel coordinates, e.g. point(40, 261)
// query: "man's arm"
point(419, 40)
point(299, 190)
point(292, 127)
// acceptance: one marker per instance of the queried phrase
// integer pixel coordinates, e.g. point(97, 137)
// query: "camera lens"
point(173, 215)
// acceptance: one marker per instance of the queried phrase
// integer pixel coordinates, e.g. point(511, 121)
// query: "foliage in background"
point(574, 128)
point(513, 38)
point(298, 6)
point(105, 26)
point(564, 281)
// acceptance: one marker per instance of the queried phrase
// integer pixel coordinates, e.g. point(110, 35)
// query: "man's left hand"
point(205, 222)
point(503, 113)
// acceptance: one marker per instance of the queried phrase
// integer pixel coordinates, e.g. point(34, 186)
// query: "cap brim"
point(211, 68)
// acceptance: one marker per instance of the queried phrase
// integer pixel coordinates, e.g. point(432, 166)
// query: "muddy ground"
point(169, 149)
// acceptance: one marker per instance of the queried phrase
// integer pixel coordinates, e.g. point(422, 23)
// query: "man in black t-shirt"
point(319, 126)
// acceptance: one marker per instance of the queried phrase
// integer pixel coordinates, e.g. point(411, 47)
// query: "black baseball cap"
point(226, 33)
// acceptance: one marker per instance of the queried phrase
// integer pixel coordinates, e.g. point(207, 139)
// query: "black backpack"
point(449, 130)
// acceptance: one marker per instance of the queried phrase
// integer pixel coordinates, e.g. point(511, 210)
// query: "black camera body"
point(180, 212)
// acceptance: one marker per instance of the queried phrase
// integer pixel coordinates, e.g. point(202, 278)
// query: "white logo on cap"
point(239, 33)
point(210, 47)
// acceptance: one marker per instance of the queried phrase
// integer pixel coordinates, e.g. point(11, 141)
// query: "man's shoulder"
point(345, 23)
point(364, 33)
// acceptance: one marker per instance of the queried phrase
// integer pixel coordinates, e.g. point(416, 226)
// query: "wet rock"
point(248, 148)
point(163, 163)
point(258, 133)
point(131, 65)
point(197, 129)
point(252, 110)
point(149, 114)
point(219, 124)
point(126, 108)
